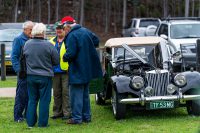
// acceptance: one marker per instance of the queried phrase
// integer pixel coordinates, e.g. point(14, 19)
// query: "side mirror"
point(164, 36)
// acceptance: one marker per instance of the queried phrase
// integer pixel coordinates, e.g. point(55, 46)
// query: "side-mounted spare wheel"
point(119, 109)
point(193, 107)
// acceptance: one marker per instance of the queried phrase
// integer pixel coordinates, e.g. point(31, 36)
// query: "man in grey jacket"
point(40, 57)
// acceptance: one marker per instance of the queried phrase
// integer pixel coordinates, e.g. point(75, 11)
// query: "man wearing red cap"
point(84, 65)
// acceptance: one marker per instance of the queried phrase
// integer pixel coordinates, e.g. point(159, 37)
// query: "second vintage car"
point(139, 73)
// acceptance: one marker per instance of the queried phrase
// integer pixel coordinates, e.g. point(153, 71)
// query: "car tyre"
point(98, 99)
point(119, 109)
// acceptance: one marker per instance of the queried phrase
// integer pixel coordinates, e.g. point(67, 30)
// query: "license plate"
point(8, 63)
point(161, 105)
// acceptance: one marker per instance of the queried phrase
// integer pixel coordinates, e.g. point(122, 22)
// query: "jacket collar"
point(25, 37)
point(77, 26)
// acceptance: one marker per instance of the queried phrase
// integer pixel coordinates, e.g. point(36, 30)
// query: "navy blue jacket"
point(84, 63)
point(16, 50)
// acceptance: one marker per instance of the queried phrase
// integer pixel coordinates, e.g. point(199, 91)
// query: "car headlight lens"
point(171, 88)
point(137, 82)
point(180, 80)
point(148, 91)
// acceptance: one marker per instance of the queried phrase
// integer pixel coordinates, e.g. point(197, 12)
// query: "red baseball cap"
point(68, 20)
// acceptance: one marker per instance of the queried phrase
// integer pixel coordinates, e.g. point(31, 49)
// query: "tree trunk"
point(16, 11)
point(124, 13)
point(76, 9)
point(82, 12)
point(199, 9)
point(187, 2)
point(106, 18)
point(147, 8)
point(32, 5)
point(179, 8)
point(165, 8)
point(174, 8)
point(49, 11)
point(57, 10)
point(115, 17)
point(1, 4)
point(39, 11)
point(192, 8)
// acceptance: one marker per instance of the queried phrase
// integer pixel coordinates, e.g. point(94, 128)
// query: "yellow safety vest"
point(63, 65)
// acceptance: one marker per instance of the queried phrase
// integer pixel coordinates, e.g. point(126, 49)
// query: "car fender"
point(122, 84)
point(193, 80)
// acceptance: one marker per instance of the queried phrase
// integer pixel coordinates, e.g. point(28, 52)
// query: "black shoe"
point(55, 117)
point(19, 120)
point(65, 117)
point(87, 121)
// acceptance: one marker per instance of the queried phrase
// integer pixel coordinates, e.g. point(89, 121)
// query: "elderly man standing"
point(40, 56)
point(84, 65)
point(21, 98)
point(61, 106)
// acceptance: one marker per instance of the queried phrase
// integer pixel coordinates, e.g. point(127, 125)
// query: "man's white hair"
point(38, 29)
point(27, 24)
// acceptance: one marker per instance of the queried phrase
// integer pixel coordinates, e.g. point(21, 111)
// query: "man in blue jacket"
point(84, 65)
point(21, 98)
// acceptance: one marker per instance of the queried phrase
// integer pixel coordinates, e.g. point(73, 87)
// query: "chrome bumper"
point(143, 100)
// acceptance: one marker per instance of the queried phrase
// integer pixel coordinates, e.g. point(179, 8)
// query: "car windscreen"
point(146, 23)
point(142, 50)
point(7, 35)
point(180, 31)
point(150, 53)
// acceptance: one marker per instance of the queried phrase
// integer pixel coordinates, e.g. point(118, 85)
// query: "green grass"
point(162, 121)
point(10, 81)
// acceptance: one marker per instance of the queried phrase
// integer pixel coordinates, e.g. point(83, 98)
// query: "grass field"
point(163, 121)
point(11, 81)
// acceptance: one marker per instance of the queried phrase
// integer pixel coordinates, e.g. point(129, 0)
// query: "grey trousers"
point(61, 105)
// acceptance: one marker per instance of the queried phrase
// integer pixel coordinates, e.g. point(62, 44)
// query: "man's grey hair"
point(38, 29)
point(27, 24)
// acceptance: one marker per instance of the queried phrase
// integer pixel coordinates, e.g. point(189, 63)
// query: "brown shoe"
point(71, 121)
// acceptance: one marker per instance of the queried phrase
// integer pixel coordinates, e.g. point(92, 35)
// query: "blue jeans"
point(80, 102)
point(39, 89)
point(21, 99)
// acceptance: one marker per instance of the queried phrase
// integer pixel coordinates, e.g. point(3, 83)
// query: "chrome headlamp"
point(148, 91)
point(137, 82)
point(180, 80)
point(171, 88)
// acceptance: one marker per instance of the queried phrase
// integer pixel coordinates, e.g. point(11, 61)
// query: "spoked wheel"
point(98, 99)
point(119, 109)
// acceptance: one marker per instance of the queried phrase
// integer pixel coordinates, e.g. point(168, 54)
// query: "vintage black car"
point(139, 72)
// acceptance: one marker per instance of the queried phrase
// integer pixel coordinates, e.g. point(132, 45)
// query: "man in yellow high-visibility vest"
point(61, 106)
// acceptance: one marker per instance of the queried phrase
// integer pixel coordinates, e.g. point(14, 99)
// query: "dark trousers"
point(21, 99)
point(80, 102)
point(61, 105)
point(39, 90)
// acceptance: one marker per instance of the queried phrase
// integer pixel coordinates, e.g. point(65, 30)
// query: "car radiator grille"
point(158, 80)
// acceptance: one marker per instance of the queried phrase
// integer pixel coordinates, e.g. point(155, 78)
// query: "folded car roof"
point(116, 42)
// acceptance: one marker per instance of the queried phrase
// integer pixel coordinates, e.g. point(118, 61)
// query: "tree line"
point(103, 16)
